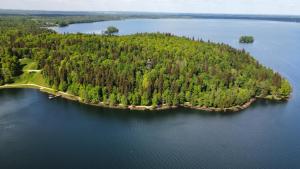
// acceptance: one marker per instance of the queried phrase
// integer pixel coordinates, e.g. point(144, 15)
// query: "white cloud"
point(191, 6)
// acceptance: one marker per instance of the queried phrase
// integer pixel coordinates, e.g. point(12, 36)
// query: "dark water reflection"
point(38, 133)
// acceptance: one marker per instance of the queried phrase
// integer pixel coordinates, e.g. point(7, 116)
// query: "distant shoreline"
point(229, 17)
point(147, 15)
point(134, 107)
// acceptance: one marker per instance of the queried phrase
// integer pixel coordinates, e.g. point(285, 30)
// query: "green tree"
point(124, 100)
point(111, 30)
point(140, 69)
point(285, 89)
point(112, 99)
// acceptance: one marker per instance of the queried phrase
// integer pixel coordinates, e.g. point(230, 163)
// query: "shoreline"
point(133, 107)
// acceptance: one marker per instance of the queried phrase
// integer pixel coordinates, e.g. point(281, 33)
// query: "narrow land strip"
point(131, 107)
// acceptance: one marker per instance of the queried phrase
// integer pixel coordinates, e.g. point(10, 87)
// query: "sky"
point(281, 7)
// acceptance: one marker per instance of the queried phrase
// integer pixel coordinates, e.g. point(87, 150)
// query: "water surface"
point(38, 133)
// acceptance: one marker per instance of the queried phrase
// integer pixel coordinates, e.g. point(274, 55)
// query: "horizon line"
point(153, 12)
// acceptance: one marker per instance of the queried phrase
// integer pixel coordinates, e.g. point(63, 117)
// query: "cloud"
point(191, 6)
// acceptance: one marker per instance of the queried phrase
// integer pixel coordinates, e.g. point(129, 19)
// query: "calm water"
point(38, 133)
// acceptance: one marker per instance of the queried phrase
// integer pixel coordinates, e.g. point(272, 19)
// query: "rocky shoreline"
point(231, 109)
point(133, 107)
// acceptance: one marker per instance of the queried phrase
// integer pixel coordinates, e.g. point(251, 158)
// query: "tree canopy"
point(140, 69)
point(246, 39)
point(111, 30)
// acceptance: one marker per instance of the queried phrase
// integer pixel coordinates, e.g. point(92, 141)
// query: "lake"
point(38, 133)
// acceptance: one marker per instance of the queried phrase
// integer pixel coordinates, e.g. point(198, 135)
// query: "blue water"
point(38, 133)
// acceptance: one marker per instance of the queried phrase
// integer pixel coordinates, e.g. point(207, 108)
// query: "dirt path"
point(25, 85)
point(30, 71)
point(131, 107)
point(42, 88)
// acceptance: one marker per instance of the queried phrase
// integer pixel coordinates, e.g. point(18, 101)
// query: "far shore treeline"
point(140, 69)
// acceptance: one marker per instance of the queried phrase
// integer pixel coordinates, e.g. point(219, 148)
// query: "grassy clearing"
point(28, 64)
point(29, 77)
point(33, 78)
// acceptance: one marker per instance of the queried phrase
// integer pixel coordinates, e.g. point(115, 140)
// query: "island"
point(246, 39)
point(141, 71)
point(111, 30)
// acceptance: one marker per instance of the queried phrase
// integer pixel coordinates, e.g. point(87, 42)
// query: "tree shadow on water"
point(125, 114)
point(147, 115)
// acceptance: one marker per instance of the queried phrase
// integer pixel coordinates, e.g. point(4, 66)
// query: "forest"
point(141, 69)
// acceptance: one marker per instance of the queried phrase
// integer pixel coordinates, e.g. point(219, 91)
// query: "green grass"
point(28, 64)
point(30, 77)
point(36, 78)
